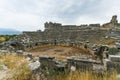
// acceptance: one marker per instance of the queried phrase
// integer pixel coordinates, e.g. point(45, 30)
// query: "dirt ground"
point(60, 52)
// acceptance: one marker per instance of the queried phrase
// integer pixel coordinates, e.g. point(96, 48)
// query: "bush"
point(113, 51)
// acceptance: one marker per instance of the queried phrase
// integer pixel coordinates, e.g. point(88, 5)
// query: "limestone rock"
point(4, 67)
point(73, 68)
point(35, 65)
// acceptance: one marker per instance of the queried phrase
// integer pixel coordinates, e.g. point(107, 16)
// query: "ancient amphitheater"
point(56, 33)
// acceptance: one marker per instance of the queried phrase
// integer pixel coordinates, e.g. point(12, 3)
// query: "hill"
point(4, 31)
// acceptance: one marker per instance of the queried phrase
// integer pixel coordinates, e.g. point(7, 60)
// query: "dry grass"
point(2, 39)
point(12, 61)
point(106, 41)
point(85, 76)
point(21, 73)
point(17, 65)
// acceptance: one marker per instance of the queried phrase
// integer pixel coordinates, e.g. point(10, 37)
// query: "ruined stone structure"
point(114, 28)
point(80, 64)
point(50, 63)
point(113, 22)
point(83, 64)
point(113, 63)
point(56, 33)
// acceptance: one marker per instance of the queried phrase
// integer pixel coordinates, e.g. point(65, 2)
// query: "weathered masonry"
point(56, 33)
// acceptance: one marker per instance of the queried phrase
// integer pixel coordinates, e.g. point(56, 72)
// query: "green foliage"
point(7, 37)
point(112, 51)
point(85, 46)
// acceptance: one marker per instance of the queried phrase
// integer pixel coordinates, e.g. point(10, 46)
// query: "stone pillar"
point(114, 19)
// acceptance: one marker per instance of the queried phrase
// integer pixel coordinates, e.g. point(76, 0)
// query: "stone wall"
point(113, 66)
point(83, 64)
point(50, 63)
point(113, 63)
point(110, 64)
point(60, 27)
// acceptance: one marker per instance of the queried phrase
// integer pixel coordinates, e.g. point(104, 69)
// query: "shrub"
point(113, 51)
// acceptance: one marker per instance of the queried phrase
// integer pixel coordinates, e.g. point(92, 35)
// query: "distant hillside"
point(4, 31)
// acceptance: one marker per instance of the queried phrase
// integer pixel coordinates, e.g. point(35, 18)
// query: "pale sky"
point(25, 15)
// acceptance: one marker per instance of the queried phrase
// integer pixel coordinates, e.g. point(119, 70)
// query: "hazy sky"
point(27, 15)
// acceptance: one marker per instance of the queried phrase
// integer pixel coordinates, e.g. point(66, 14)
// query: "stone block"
point(114, 58)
